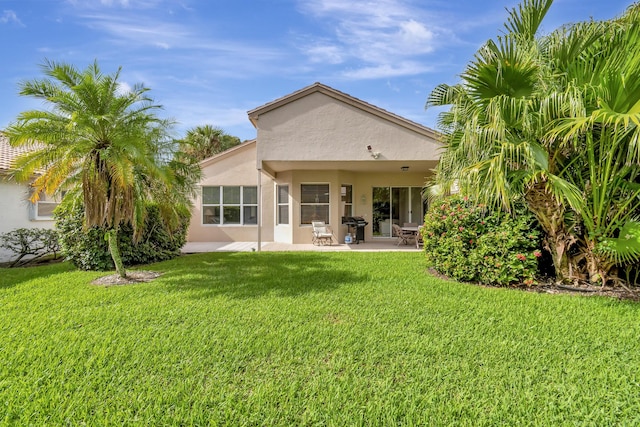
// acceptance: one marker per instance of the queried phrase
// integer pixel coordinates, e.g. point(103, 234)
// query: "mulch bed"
point(136, 276)
point(577, 288)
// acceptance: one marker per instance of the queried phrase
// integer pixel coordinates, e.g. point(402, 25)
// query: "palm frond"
point(626, 247)
point(526, 18)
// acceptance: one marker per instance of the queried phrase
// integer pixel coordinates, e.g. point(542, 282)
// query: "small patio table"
point(411, 229)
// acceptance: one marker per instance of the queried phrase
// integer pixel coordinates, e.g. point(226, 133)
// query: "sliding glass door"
point(396, 205)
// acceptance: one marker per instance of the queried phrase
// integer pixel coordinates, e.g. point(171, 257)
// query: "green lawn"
point(309, 339)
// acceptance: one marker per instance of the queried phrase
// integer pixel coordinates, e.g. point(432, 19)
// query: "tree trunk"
point(114, 250)
point(598, 267)
point(556, 243)
point(550, 214)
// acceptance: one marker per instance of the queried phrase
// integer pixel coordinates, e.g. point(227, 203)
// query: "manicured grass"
point(309, 339)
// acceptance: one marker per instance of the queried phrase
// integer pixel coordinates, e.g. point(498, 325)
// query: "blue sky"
point(210, 61)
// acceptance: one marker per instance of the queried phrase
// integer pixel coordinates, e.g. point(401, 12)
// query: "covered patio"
point(376, 246)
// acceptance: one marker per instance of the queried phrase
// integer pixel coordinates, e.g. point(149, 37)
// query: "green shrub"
point(88, 249)
point(468, 242)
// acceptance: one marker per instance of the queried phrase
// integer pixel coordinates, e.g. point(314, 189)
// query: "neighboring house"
point(16, 210)
point(319, 154)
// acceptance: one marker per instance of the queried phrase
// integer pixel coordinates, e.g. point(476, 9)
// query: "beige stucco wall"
point(237, 167)
point(319, 127)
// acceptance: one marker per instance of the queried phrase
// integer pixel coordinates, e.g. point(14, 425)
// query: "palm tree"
point(494, 131)
point(205, 141)
point(102, 141)
point(524, 124)
point(604, 132)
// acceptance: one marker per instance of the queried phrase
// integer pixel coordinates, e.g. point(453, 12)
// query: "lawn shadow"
point(10, 277)
point(252, 275)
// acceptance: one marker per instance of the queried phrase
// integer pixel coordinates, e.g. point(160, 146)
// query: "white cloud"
point(9, 16)
point(387, 70)
point(100, 4)
point(123, 88)
point(128, 32)
point(136, 32)
point(415, 33)
point(124, 3)
point(386, 36)
point(324, 53)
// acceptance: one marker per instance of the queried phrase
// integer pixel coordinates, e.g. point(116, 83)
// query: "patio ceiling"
point(394, 166)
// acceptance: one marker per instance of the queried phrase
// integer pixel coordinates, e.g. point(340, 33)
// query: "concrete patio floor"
point(388, 245)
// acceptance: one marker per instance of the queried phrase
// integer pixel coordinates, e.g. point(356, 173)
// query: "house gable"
point(321, 124)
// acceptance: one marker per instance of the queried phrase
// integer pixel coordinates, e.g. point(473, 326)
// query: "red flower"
point(521, 257)
point(460, 228)
point(537, 253)
point(471, 241)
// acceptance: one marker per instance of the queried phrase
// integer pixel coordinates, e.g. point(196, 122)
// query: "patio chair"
point(322, 234)
point(419, 239)
point(402, 235)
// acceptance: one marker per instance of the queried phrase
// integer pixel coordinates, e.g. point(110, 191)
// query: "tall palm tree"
point(103, 141)
point(494, 131)
point(605, 134)
point(528, 121)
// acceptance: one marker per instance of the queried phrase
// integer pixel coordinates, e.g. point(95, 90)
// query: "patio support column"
point(259, 210)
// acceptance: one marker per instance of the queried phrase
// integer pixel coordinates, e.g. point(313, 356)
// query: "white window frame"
point(343, 199)
point(221, 205)
point(43, 200)
point(282, 205)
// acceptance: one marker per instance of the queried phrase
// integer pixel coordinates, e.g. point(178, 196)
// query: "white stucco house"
point(16, 210)
point(319, 154)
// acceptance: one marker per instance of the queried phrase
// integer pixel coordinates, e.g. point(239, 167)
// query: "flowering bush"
point(468, 242)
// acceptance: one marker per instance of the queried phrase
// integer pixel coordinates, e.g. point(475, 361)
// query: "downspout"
point(259, 210)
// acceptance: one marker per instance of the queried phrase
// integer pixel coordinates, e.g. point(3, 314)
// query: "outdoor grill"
point(358, 224)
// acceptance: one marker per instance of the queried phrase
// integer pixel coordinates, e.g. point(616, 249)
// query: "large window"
point(282, 214)
point(314, 203)
point(230, 205)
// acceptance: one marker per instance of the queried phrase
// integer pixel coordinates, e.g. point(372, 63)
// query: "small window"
point(346, 196)
point(283, 204)
point(42, 210)
point(314, 203)
point(230, 205)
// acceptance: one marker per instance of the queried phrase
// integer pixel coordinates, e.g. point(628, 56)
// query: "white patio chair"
point(322, 234)
point(419, 238)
